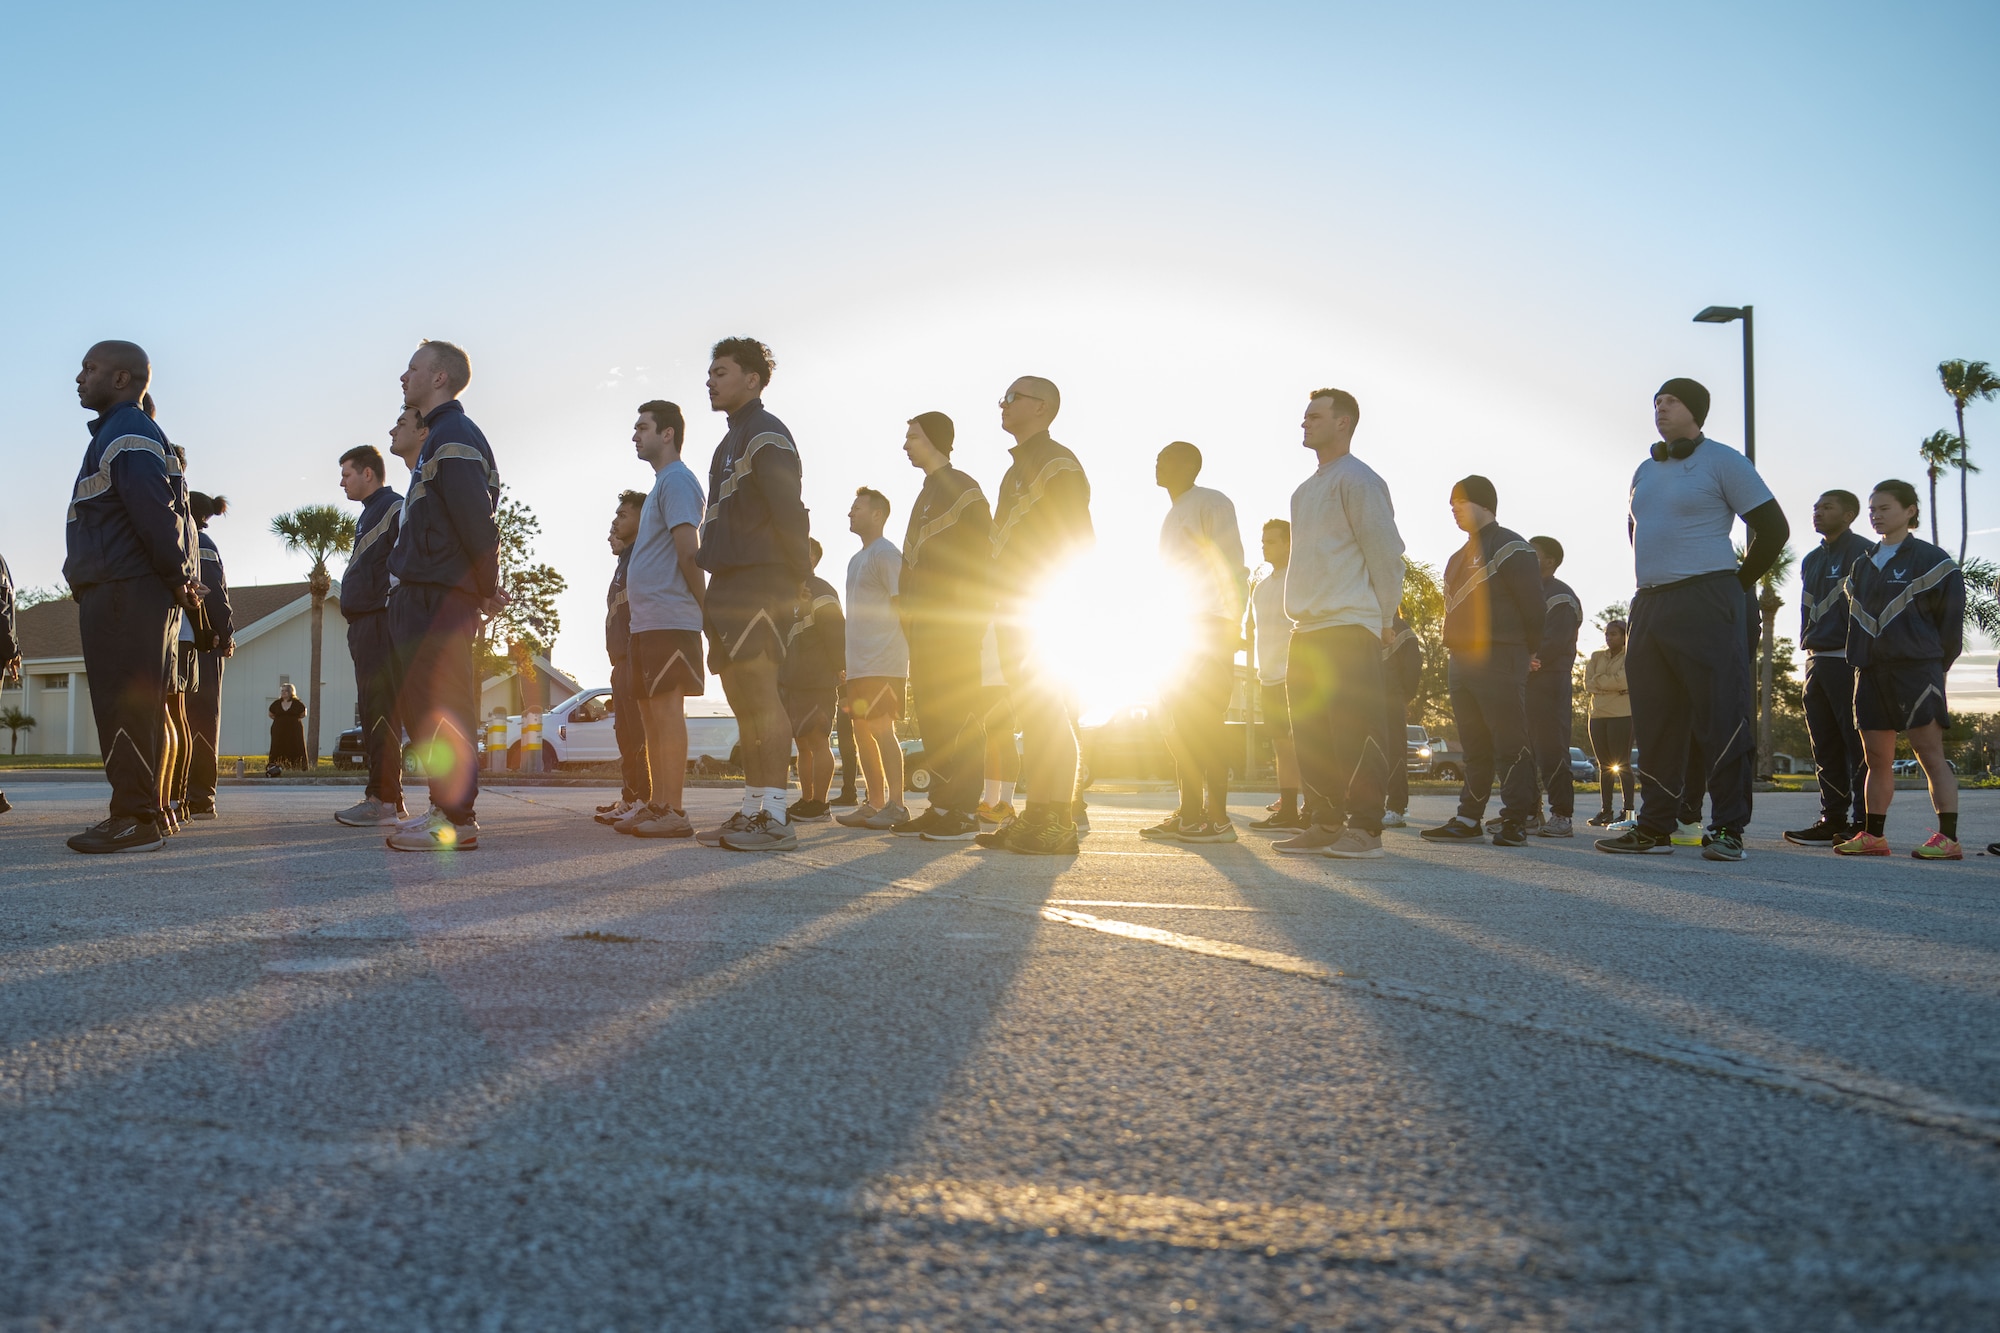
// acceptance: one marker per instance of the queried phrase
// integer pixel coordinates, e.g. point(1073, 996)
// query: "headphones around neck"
point(1662, 450)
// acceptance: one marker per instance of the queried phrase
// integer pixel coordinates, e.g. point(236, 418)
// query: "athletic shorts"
point(1277, 709)
point(875, 696)
point(743, 612)
point(811, 712)
point(1895, 696)
point(666, 661)
point(996, 705)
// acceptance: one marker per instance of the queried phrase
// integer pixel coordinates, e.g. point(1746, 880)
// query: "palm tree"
point(1770, 604)
point(16, 722)
point(1937, 451)
point(318, 531)
point(1965, 381)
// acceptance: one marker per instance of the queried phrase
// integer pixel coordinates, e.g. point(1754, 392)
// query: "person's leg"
point(751, 686)
point(867, 743)
point(628, 727)
point(455, 701)
point(1395, 718)
point(1505, 697)
point(1550, 725)
point(843, 730)
point(124, 628)
point(381, 723)
point(944, 673)
point(1718, 683)
point(1000, 766)
point(1660, 722)
point(1628, 774)
point(1823, 707)
point(881, 730)
point(1880, 749)
point(204, 718)
point(815, 758)
point(170, 751)
point(1602, 748)
point(1475, 736)
point(1840, 691)
point(184, 744)
point(1217, 683)
point(1927, 740)
point(1356, 719)
point(665, 722)
point(1309, 685)
point(1694, 785)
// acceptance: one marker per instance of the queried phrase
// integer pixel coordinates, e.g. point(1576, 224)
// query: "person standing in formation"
point(809, 684)
point(1838, 758)
point(1688, 664)
point(628, 729)
point(1906, 626)
point(1552, 692)
point(130, 566)
point(754, 547)
point(1201, 542)
point(1041, 520)
point(1002, 765)
point(204, 702)
point(878, 663)
point(945, 602)
point(1270, 634)
point(663, 589)
point(364, 605)
point(1610, 724)
point(1493, 618)
point(1402, 677)
point(446, 565)
point(1341, 592)
point(10, 646)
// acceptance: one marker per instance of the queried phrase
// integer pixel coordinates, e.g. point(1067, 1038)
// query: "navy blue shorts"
point(1895, 696)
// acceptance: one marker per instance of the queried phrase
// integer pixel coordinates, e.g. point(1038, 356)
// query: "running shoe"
point(1167, 830)
point(953, 828)
point(997, 839)
point(119, 833)
point(1511, 835)
point(663, 822)
point(1937, 847)
point(858, 817)
point(762, 834)
point(1689, 835)
point(436, 833)
point(712, 837)
point(1456, 829)
point(620, 804)
point(1046, 838)
point(1722, 845)
point(6, 805)
point(995, 815)
point(1625, 823)
point(635, 814)
point(1354, 844)
point(202, 810)
point(810, 812)
point(918, 825)
point(1274, 806)
point(1296, 822)
point(1602, 819)
point(884, 819)
point(1530, 824)
point(1864, 843)
point(1556, 826)
point(1637, 841)
point(1823, 834)
point(1209, 830)
point(1393, 819)
point(1312, 842)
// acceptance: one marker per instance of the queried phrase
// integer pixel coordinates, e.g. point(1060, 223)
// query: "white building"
point(273, 648)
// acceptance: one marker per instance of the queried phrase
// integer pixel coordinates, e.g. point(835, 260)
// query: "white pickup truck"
point(579, 730)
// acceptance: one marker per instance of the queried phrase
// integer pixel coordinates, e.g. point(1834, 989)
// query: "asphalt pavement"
point(275, 1076)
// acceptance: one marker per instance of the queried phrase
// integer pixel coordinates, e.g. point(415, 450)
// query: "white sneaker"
point(435, 834)
point(1391, 819)
point(1688, 835)
point(1625, 825)
point(419, 821)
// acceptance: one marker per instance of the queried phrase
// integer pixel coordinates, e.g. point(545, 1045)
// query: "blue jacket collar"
point(431, 417)
point(737, 417)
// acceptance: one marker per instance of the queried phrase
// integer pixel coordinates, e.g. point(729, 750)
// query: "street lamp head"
point(1719, 314)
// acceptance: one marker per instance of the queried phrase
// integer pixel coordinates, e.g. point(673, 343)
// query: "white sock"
point(753, 801)
point(992, 796)
point(774, 802)
point(1006, 793)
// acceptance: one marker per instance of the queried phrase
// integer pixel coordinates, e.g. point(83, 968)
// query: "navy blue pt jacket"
point(755, 515)
point(448, 536)
point(1912, 609)
point(215, 602)
point(364, 586)
point(1823, 605)
point(128, 515)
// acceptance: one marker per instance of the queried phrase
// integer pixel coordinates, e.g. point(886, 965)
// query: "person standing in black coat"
point(288, 730)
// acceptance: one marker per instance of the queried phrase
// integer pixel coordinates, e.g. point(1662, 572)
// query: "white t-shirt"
point(654, 587)
point(875, 644)
point(1199, 537)
point(1270, 628)
point(1884, 554)
point(1683, 510)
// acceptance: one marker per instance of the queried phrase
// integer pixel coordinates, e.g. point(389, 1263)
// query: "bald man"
point(132, 562)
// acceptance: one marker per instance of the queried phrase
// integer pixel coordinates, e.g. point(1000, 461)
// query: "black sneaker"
point(1510, 835)
point(1167, 830)
point(845, 798)
point(1295, 822)
point(999, 838)
point(1046, 838)
point(1602, 818)
point(1638, 842)
point(953, 828)
point(120, 833)
point(4, 806)
point(1722, 845)
point(1823, 834)
point(1456, 829)
point(920, 825)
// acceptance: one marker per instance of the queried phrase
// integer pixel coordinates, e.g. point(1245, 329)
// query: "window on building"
point(58, 681)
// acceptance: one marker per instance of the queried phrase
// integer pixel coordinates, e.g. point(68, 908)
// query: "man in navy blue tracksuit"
point(204, 701)
point(1829, 692)
point(446, 568)
point(132, 561)
point(1551, 690)
point(364, 604)
point(1493, 618)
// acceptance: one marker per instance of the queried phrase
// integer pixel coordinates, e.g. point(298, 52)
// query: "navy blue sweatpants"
point(432, 629)
point(368, 643)
point(1836, 743)
point(129, 634)
point(1489, 703)
point(1690, 682)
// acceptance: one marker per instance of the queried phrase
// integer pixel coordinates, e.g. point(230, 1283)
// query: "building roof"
point(51, 631)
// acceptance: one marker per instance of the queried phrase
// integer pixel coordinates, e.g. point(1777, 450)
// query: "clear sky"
point(1491, 224)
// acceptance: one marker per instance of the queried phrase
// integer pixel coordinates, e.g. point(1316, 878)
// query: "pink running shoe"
point(1863, 844)
point(1937, 847)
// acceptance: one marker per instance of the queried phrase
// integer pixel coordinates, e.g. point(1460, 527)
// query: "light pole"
point(1728, 314)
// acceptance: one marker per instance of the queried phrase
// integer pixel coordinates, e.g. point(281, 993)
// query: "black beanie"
point(1691, 394)
point(937, 428)
point(1480, 491)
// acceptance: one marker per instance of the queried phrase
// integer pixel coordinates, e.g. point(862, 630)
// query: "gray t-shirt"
point(1684, 508)
point(875, 644)
point(654, 588)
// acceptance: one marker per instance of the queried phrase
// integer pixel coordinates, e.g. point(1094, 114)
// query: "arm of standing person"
point(1225, 537)
point(141, 482)
point(1521, 578)
point(1372, 519)
point(10, 646)
point(1560, 627)
point(460, 485)
point(1768, 532)
point(687, 555)
point(1948, 610)
point(777, 473)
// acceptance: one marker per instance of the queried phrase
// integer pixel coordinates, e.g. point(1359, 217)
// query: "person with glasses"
point(1041, 520)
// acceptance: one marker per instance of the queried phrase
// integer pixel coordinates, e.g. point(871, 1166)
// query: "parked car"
point(1910, 768)
point(1582, 768)
point(1417, 762)
point(1447, 760)
point(582, 729)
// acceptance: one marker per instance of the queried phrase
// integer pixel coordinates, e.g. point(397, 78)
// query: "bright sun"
point(1113, 627)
